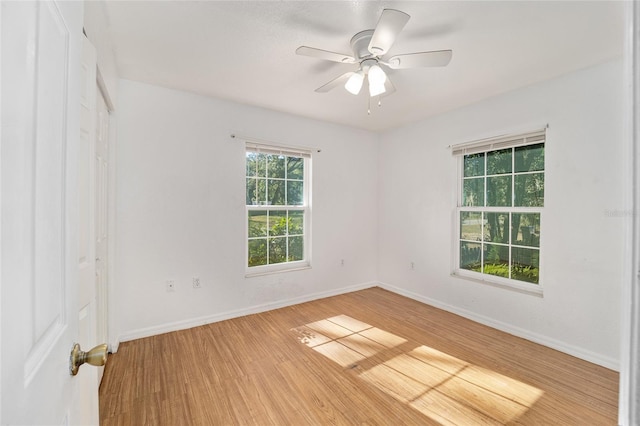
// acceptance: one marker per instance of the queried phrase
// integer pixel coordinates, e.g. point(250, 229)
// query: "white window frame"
point(485, 146)
point(305, 263)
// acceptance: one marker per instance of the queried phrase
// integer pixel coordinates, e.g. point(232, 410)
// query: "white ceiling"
point(244, 51)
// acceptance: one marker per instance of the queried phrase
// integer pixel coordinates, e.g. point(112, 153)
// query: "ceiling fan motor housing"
point(360, 44)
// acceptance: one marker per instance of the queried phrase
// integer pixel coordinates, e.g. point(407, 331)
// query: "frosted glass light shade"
point(354, 84)
point(376, 75)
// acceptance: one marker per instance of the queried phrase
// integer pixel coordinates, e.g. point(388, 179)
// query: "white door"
point(41, 255)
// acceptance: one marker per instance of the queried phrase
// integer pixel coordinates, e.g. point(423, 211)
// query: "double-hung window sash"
point(499, 209)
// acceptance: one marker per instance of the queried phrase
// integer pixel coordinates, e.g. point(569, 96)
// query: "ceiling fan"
point(369, 48)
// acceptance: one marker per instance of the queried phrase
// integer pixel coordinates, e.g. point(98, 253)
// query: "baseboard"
point(208, 319)
point(576, 351)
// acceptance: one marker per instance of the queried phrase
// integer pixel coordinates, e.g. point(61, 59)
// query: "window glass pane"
point(503, 243)
point(257, 252)
point(277, 223)
point(261, 165)
point(257, 224)
point(496, 227)
point(496, 260)
point(471, 226)
point(275, 192)
point(296, 222)
point(530, 158)
point(251, 163)
point(256, 191)
point(499, 162)
point(295, 168)
point(525, 229)
point(529, 190)
point(474, 165)
point(277, 250)
point(473, 192)
point(275, 165)
point(525, 264)
point(296, 248)
point(251, 192)
point(470, 256)
point(295, 196)
point(499, 191)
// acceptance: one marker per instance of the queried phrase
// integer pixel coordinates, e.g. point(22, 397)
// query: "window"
point(500, 203)
point(278, 213)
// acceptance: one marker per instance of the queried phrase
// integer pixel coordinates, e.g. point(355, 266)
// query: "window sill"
point(530, 289)
point(292, 268)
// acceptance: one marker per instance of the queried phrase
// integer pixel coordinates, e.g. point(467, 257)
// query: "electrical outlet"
point(171, 285)
point(196, 282)
point(341, 262)
point(412, 266)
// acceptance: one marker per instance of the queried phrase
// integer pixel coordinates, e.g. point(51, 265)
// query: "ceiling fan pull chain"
point(368, 105)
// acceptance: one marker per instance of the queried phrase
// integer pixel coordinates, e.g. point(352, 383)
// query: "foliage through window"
point(277, 207)
point(500, 205)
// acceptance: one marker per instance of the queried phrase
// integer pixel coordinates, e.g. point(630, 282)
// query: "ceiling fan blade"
point(436, 58)
point(389, 26)
point(325, 54)
point(340, 80)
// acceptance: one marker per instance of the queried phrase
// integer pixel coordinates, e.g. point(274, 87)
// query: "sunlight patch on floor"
point(440, 386)
point(349, 323)
point(362, 345)
point(329, 329)
point(386, 339)
point(339, 353)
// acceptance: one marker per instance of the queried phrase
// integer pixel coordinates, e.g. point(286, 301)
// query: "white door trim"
point(629, 397)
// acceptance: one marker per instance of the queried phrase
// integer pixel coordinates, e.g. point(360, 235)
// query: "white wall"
point(181, 210)
point(582, 223)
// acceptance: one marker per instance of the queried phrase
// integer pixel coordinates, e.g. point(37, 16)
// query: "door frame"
point(629, 388)
point(112, 339)
point(101, 92)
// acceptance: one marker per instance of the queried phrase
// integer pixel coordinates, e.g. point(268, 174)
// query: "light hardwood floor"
point(369, 357)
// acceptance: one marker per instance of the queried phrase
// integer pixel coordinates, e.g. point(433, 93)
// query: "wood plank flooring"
point(369, 357)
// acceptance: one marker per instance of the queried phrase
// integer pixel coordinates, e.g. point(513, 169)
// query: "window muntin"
point(500, 203)
point(277, 200)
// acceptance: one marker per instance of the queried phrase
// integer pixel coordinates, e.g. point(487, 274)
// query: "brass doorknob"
point(96, 357)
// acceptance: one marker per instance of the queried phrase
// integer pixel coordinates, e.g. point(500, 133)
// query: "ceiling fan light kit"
point(369, 47)
point(375, 75)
